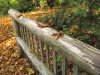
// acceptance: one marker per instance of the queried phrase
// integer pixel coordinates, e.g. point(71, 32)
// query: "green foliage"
point(87, 18)
point(83, 16)
point(81, 21)
point(4, 3)
point(61, 1)
point(57, 20)
point(13, 2)
point(43, 3)
point(59, 60)
point(51, 3)
point(20, 5)
point(24, 5)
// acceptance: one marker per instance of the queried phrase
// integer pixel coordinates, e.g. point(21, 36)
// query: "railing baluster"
point(64, 64)
point(28, 38)
point(23, 34)
point(55, 61)
point(21, 30)
point(75, 69)
point(36, 45)
point(26, 33)
point(47, 55)
point(41, 50)
point(33, 45)
point(36, 72)
point(25, 38)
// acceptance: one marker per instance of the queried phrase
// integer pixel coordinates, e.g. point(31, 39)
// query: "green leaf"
point(86, 36)
point(59, 59)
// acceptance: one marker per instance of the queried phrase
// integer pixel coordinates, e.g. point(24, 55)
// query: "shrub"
point(81, 21)
point(25, 5)
point(57, 20)
point(20, 5)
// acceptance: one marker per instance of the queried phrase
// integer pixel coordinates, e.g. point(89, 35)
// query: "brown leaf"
point(59, 35)
point(90, 32)
point(69, 62)
point(43, 25)
point(54, 34)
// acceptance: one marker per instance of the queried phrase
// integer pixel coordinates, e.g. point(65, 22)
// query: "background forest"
point(77, 18)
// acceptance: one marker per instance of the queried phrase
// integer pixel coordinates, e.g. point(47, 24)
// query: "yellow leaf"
point(21, 68)
point(18, 15)
point(11, 68)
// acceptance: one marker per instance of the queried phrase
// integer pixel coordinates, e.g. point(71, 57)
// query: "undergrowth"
point(76, 22)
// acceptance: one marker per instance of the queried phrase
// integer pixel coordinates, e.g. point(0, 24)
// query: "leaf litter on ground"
point(10, 63)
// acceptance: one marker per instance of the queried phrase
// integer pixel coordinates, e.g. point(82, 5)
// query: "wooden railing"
point(49, 56)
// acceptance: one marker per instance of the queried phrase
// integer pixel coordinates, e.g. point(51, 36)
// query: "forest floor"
point(10, 63)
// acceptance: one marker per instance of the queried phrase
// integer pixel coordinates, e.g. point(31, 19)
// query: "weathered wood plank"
point(64, 65)
point(33, 42)
point(54, 61)
point(83, 55)
point(28, 37)
point(47, 56)
point(22, 32)
point(36, 45)
point(75, 70)
point(17, 34)
point(41, 50)
point(25, 38)
point(37, 63)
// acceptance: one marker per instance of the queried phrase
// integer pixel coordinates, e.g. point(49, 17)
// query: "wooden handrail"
point(81, 54)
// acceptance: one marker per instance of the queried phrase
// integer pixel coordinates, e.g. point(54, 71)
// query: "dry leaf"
point(21, 68)
point(54, 34)
point(19, 15)
point(59, 35)
point(43, 25)
point(90, 32)
point(73, 29)
point(69, 62)
point(11, 68)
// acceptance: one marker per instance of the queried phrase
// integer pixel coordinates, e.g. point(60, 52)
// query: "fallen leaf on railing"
point(18, 15)
point(43, 25)
point(54, 34)
point(58, 35)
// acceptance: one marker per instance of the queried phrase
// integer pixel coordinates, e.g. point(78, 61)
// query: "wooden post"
point(17, 34)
